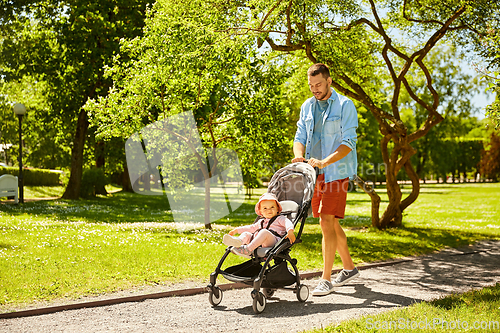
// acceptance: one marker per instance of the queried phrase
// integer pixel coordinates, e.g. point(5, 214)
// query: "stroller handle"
point(316, 169)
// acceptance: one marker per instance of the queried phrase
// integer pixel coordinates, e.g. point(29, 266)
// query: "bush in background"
point(92, 179)
point(35, 177)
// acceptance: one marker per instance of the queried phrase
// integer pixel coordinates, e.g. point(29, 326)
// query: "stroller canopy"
point(294, 182)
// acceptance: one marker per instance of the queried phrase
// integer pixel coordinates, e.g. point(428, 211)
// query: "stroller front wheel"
point(259, 303)
point(303, 293)
point(215, 296)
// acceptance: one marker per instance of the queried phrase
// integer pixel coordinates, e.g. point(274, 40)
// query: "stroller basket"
point(244, 272)
point(277, 276)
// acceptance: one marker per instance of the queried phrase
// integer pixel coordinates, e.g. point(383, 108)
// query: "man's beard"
point(321, 97)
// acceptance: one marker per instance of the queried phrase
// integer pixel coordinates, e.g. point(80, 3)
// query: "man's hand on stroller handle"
point(320, 164)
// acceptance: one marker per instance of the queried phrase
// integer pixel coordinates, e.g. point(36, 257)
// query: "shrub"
point(91, 180)
point(34, 177)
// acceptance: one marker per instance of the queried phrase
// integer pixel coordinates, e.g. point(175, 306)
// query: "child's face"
point(268, 208)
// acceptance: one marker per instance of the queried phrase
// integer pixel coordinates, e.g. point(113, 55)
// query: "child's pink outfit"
point(264, 237)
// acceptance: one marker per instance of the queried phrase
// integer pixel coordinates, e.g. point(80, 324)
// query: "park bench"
point(9, 187)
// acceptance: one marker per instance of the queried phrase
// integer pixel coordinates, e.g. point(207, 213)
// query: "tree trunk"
point(395, 160)
point(126, 184)
point(146, 179)
point(393, 216)
point(99, 163)
point(73, 188)
point(207, 203)
point(375, 198)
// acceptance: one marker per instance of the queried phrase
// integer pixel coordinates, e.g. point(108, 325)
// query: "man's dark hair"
point(319, 69)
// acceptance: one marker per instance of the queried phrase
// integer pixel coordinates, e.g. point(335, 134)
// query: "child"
point(259, 234)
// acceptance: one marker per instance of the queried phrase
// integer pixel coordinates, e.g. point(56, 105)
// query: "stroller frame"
point(257, 275)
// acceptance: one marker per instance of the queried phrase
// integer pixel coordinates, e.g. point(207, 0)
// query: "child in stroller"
point(266, 231)
point(270, 268)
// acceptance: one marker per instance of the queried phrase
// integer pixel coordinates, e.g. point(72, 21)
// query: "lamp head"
point(19, 109)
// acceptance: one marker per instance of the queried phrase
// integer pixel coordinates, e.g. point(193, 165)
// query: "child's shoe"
point(242, 251)
point(231, 241)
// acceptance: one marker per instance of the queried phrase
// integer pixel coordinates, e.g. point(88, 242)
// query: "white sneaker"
point(324, 287)
point(231, 241)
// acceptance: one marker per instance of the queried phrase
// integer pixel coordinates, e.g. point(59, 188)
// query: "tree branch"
point(375, 199)
point(284, 48)
point(269, 13)
point(415, 188)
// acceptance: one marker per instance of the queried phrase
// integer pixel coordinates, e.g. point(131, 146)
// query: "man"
point(326, 133)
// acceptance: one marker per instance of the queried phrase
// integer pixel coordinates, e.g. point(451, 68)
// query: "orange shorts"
point(330, 198)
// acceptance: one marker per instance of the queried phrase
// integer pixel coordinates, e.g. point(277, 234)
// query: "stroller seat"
point(290, 210)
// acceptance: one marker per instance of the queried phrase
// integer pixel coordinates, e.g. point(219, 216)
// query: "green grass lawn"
point(58, 248)
point(477, 310)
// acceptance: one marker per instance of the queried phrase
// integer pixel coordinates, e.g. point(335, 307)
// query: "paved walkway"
point(377, 290)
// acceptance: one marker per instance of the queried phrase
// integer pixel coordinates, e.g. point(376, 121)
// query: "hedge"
point(35, 177)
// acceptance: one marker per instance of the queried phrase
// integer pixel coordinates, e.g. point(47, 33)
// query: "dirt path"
point(377, 290)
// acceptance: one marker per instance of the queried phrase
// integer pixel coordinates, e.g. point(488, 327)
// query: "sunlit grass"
point(60, 248)
point(477, 310)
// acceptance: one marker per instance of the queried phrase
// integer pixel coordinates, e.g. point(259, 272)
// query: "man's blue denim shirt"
point(340, 122)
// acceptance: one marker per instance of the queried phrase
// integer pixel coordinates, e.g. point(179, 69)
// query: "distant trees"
point(66, 44)
point(182, 64)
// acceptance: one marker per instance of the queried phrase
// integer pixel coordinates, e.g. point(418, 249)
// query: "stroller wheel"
point(215, 296)
point(303, 293)
point(268, 292)
point(259, 303)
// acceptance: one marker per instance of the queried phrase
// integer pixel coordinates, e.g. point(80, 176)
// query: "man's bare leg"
point(334, 239)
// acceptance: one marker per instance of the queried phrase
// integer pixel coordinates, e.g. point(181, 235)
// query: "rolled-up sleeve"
point(301, 134)
point(349, 125)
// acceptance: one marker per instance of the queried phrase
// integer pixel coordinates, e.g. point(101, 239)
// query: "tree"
point(182, 65)
point(490, 158)
point(455, 89)
point(489, 49)
point(41, 139)
point(67, 44)
point(364, 42)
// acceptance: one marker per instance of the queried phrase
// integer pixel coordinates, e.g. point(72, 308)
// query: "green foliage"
point(35, 177)
point(489, 48)
point(46, 144)
point(493, 110)
point(184, 63)
point(63, 47)
point(92, 179)
point(456, 157)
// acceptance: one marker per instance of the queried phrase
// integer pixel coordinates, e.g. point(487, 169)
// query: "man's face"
point(319, 86)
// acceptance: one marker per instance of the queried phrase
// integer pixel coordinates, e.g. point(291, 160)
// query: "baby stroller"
point(293, 185)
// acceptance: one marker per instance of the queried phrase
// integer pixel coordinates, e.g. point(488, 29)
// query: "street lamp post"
point(20, 110)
